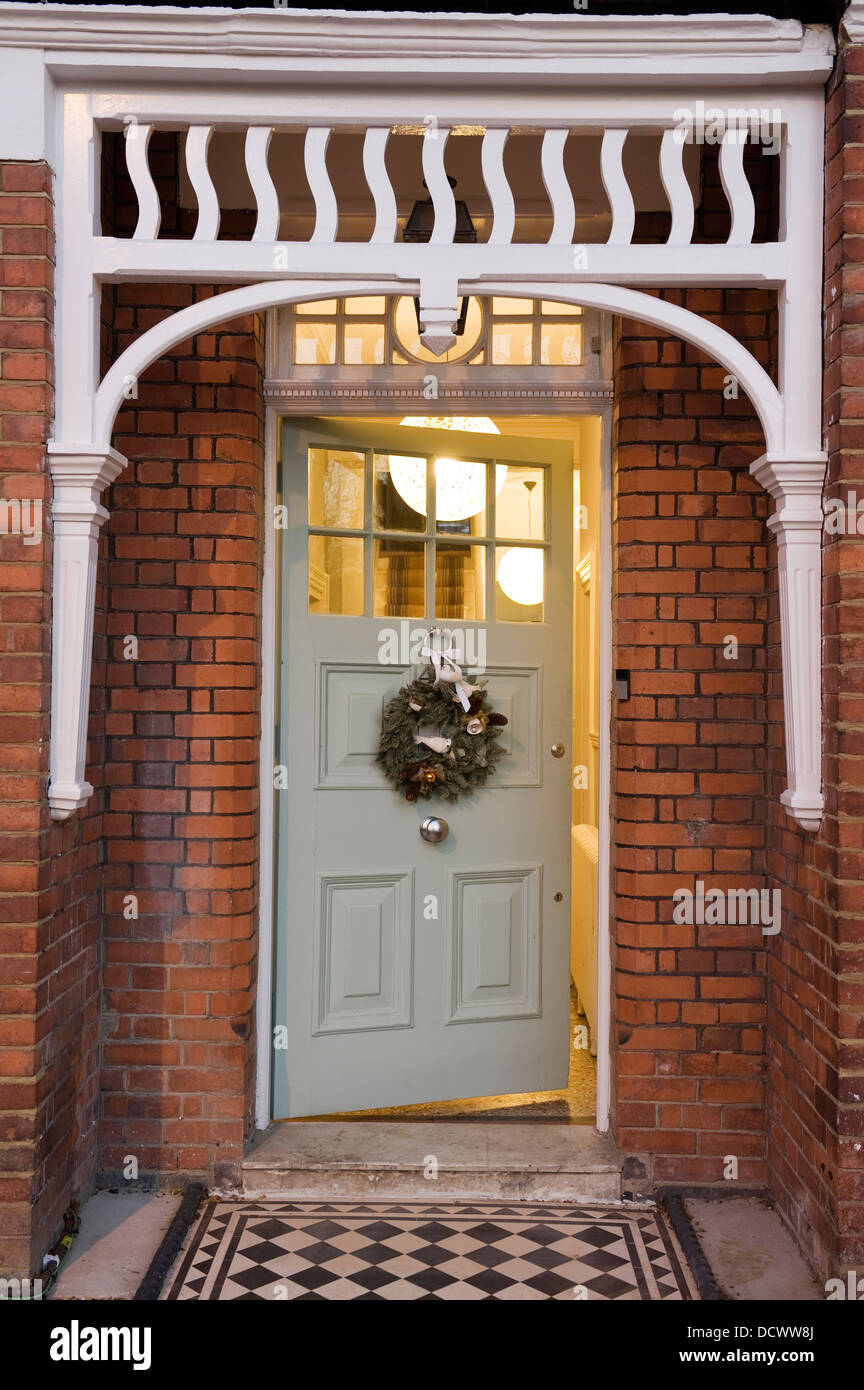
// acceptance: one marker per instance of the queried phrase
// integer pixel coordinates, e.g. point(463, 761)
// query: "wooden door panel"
point(351, 700)
point(517, 693)
point(364, 951)
point(495, 944)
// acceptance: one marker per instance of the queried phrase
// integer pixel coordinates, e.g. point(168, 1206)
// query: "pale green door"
point(409, 971)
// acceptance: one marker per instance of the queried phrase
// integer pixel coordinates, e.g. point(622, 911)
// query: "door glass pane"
point(513, 344)
point(336, 488)
point(316, 306)
point(519, 584)
point(336, 574)
point(364, 344)
point(512, 306)
point(460, 497)
point(314, 344)
point(520, 504)
point(460, 581)
point(561, 344)
point(400, 579)
point(552, 306)
point(400, 493)
point(366, 304)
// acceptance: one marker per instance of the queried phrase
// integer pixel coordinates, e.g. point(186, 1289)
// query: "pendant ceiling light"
point(520, 569)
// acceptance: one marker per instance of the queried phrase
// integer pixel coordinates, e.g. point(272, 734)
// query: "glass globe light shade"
point(468, 424)
point(460, 487)
point(520, 575)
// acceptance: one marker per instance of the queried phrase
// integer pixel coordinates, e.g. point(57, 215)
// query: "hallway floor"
point(269, 1250)
point(574, 1104)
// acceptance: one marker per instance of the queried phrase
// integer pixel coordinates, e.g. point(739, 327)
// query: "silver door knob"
point(433, 829)
point(557, 750)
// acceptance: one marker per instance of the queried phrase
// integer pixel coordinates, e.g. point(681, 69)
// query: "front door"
point(409, 971)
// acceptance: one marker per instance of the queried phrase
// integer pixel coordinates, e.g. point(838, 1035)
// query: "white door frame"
point(270, 657)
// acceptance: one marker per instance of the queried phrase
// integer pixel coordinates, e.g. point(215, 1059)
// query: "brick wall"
point(816, 994)
point(50, 875)
point(180, 570)
point(181, 826)
point(688, 749)
point(701, 763)
point(832, 873)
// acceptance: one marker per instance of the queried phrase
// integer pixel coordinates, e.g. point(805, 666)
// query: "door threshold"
point(518, 1115)
point(427, 1161)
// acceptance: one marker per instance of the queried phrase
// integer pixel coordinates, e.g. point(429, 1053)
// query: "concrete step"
point(383, 1161)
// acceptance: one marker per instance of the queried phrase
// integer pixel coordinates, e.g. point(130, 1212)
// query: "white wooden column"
point(79, 479)
point(794, 474)
point(797, 522)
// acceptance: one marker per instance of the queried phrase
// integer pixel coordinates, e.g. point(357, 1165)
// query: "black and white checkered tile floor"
point(449, 1250)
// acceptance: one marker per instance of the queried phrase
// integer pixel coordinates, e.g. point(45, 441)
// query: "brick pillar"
point(834, 970)
point(49, 875)
point(688, 749)
point(181, 825)
point(816, 987)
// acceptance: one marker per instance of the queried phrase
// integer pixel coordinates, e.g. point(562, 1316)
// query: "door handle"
point(434, 829)
point(557, 750)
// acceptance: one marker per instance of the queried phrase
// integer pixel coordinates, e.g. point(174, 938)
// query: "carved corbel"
point(439, 312)
point(80, 476)
point(796, 484)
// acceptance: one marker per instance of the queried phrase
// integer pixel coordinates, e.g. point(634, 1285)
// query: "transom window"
point(376, 330)
point(420, 535)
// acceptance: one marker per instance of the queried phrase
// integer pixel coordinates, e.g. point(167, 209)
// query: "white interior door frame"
point(270, 658)
point(604, 773)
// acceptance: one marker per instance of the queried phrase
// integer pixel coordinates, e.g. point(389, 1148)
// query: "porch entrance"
point(408, 973)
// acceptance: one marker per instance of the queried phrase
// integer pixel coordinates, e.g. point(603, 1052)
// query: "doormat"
point(444, 1251)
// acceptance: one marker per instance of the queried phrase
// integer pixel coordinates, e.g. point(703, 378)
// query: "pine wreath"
point(431, 745)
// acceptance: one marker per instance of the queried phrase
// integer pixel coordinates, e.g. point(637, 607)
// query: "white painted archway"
point(792, 476)
point(577, 80)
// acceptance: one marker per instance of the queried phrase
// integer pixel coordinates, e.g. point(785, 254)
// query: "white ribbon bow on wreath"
point(451, 674)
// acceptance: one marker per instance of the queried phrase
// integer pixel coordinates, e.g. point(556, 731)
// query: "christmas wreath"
point(439, 735)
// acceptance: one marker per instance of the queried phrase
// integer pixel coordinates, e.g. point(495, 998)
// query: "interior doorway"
point(545, 1071)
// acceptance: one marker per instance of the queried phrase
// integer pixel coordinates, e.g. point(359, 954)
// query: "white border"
point(266, 816)
point(604, 818)
point(271, 655)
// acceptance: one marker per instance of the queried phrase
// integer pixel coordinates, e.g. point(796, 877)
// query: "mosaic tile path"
point(448, 1250)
